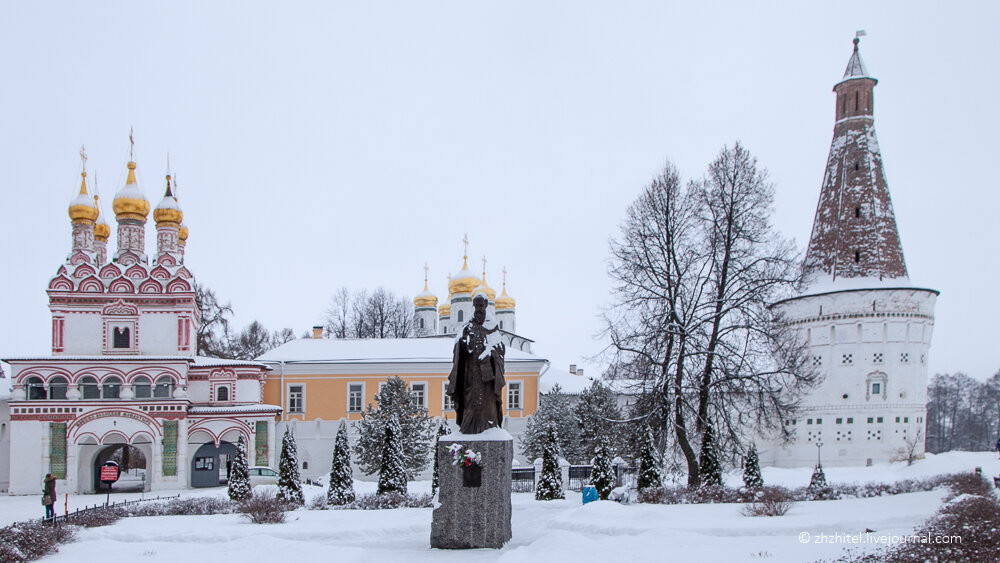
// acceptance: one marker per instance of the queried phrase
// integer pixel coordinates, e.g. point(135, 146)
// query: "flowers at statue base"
point(464, 458)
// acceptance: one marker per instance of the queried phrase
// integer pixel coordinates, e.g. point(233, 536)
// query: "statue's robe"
point(476, 380)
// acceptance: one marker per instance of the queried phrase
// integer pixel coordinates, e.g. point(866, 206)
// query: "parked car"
point(263, 476)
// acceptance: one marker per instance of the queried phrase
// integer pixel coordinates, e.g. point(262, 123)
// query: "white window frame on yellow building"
point(409, 388)
point(288, 398)
point(361, 407)
point(445, 399)
point(520, 394)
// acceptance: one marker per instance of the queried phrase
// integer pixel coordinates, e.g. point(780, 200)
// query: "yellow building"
point(321, 381)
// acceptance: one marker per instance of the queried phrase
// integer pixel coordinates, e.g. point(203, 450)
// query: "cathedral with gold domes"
point(124, 383)
point(447, 319)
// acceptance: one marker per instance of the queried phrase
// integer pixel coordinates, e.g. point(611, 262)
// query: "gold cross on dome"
point(465, 240)
point(131, 143)
point(425, 273)
point(484, 268)
point(504, 276)
point(83, 156)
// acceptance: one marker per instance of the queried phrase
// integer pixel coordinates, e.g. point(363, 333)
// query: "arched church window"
point(120, 336)
point(855, 100)
point(142, 387)
point(222, 394)
point(111, 388)
point(164, 388)
point(460, 315)
point(857, 256)
point(89, 388)
point(34, 388)
point(421, 323)
point(57, 387)
point(501, 325)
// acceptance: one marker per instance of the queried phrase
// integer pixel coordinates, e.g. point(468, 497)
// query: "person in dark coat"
point(49, 496)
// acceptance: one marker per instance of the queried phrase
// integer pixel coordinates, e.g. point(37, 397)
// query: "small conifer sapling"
point(392, 472)
point(289, 480)
point(239, 475)
point(341, 489)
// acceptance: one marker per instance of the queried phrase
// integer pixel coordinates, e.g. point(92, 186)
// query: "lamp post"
point(819, 446)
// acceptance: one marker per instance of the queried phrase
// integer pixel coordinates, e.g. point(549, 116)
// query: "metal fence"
point(69, 516)
point(626, 476)
point(522, 480)
point(579, 476)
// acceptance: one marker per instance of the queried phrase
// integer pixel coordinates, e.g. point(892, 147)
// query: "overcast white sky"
point(318, 144)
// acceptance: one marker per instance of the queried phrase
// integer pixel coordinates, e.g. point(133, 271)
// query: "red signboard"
point(109, 473)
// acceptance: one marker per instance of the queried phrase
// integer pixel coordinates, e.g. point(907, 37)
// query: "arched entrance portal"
point(209, 464)
point(133, 464)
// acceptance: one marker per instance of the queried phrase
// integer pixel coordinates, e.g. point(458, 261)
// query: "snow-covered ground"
point(543, 531)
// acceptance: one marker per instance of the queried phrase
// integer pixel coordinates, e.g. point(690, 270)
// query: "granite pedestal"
point(469, 516)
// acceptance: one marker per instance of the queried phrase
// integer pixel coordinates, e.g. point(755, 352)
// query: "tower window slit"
point(857, 256)
point(857, 212)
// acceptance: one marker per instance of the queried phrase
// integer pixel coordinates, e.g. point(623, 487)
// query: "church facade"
point(123, 381)
point(867, 327)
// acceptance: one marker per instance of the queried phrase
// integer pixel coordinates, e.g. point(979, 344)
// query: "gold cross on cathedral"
point(83, 156)
point(504, 276)
point(465, 240)
point(131, 143)
point(484, 268)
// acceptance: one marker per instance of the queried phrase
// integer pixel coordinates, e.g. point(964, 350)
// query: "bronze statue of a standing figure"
point(476, 381)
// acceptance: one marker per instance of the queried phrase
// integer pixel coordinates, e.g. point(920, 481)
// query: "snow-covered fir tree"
point(709, 468)
point(751, 470)
point(595, 413)
point(649, 465)
point(554, 410)
point(289, 480)
point(416, 430)
point(818, 480)
point(603, 475)
point(239, 475)
point(550, 481)
point(392, 473)
point(341, 490)
point(443, 430)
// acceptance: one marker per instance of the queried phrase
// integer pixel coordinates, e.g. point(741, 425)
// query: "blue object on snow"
point(589, 494)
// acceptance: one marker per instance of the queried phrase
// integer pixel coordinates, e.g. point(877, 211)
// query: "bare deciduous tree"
point(695, 269)
point(216, 339)
point(379, 314)
point(962, 413)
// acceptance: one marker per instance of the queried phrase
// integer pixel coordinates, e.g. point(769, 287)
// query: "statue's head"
point(479, 304)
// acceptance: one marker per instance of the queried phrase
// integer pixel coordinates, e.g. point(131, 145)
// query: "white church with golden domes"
point(123, 381)
point(431, 319)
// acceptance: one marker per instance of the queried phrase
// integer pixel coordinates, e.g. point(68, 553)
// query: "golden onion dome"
point(505, 302)
point(130, 202)
point(82, 208)
point(101, 231)
point(444, 310)
point(168, 212)
point(425, 298)
point(182, 234)
point(464, 281)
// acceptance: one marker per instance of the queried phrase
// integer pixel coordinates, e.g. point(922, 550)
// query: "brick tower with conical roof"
point(854, 233)
point(867, 329)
